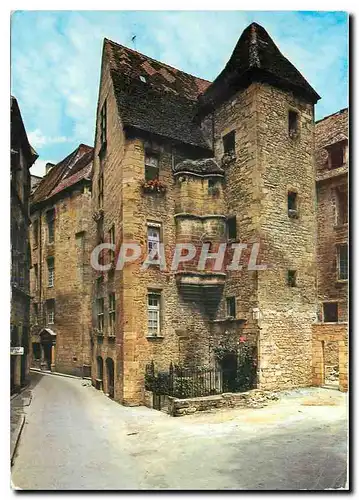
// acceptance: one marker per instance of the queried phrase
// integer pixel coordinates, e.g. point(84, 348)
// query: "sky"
point(56, 60)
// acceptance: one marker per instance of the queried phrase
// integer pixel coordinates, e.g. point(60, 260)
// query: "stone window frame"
point(323, 314)
point(342, 146)
point(100, 185)
point(152, 164)
point(293, 213)
point(112, 241)
point(292, 278)
point(339, 246)
point(36, 277)
point(293, 132)
point(50, 261)
point(100, 306)
point(154, 225)
point(154, 295)
point(341, 213)
point(50, 221)
point(50, 311)
point(103, 123)
point(111, 313)
point(36, 312)
point(35, 232)
point(229, 139)
point(228, 228)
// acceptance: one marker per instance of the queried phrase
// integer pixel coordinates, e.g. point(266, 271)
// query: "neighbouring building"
point(331, 332)
point(22, 158)
point(180, 159)
point(35, 180)
point(60, 274)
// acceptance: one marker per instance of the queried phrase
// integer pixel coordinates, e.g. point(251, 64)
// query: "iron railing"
point(181, 382)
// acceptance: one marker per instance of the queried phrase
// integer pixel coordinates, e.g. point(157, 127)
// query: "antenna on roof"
point(133, 40)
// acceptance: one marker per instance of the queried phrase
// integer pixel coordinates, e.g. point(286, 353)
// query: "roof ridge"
point(156, 60)
point(339, 112)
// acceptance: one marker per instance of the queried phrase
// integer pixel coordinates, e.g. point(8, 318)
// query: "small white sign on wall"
point(16, 351)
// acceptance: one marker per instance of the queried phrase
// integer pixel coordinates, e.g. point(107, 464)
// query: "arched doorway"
point(110, 373)
point(99, 379)
point(48, 342)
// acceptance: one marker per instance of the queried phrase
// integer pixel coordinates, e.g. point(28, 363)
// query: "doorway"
point(99, 380)
point(229, 372)
point(47, 355)
point(110, 377)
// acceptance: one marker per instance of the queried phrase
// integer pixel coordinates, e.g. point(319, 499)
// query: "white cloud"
point(39, 167)
point(37, 139)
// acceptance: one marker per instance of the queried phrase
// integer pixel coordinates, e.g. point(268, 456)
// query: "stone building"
point(332, 160)
point(22, 158)
point(60, 275)
point(178, 159)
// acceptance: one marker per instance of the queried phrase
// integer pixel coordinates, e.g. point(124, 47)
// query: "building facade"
point(61, 242)
point(332, 163)
point(178, 159)
point(22, 158)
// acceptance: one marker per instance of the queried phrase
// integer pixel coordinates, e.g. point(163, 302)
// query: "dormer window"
point(151, 167)
point(336, 155)
point(293, 124)
point(229, 145)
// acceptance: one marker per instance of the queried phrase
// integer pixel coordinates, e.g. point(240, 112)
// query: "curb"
point(37, 370)
point(17, 439)
point(21, 390)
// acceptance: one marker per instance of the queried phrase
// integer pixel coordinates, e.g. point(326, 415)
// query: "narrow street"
point(77, 438)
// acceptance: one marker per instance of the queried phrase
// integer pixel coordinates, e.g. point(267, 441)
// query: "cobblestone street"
point(77, 438)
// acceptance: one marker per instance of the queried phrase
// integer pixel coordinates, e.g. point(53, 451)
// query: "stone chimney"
point(49, 166)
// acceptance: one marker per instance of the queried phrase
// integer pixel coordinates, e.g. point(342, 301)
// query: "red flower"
point(242, 339)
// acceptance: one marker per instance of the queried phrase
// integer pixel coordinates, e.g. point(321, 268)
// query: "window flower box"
point(153, 186)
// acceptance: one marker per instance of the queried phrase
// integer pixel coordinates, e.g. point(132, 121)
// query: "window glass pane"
point(151, 160)
point(151, 173)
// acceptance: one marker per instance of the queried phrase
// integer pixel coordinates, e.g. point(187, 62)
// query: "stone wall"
point(286, 164)
point(251, 399)
point(111, 164)
point(268, 164)
point(334, 333)
point(72, 286)
point(20, 262)
point(330, 232)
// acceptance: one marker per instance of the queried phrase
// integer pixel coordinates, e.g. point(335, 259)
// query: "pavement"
point(75, 438)
point(18, 404)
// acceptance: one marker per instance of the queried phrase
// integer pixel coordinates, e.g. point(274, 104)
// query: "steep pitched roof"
point(18, 132)
point(202, 167)
point(75, 167)
point(257, 58)
point(163, 101)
